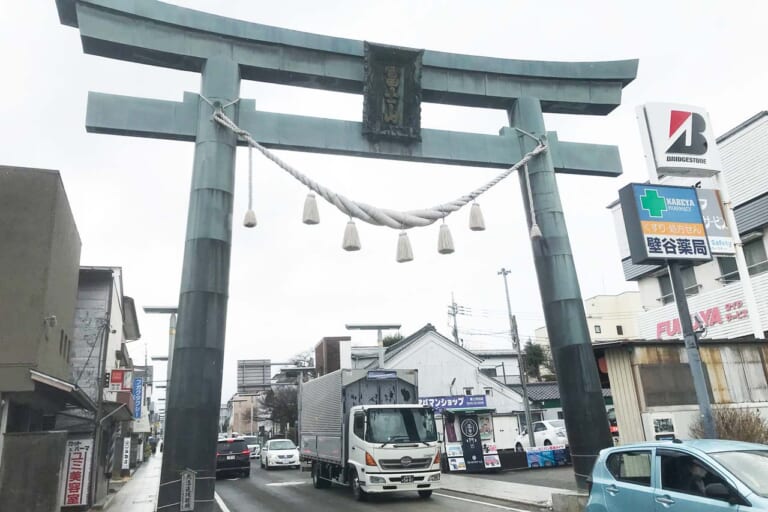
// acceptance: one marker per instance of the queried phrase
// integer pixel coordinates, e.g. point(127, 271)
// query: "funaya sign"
point(710, 317)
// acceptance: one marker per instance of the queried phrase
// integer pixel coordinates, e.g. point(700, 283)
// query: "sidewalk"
point(139, 494)
point(535, 495)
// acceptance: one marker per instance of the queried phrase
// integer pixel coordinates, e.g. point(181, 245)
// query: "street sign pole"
point(692, 349)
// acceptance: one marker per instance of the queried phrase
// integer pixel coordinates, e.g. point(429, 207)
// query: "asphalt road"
point(290, 490)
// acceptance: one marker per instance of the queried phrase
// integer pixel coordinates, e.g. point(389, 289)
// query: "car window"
point(748, 466)
point(539, 427)
point(632, 467)
point(359, 426)
point(281, 445)
point(251, 440)
point(233, 446)
point(682, 472)
point(557, 423)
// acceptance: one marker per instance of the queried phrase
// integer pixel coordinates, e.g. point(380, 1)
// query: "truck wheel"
point(357, 490)
point(425, 494)
point(317, 481)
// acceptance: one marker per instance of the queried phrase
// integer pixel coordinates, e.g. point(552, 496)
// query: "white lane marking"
point(220, 502)
point(478, 502)
point(296, 482)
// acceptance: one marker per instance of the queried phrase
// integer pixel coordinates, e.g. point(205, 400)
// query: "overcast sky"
point(292, 284)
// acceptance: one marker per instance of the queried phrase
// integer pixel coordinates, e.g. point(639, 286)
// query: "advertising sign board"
point(440, 403)
point(718, 231)
point(137, 396)
point(120, 380)
point(679, 140)
point(126, 460)
point(663, 223)
point(77, 472)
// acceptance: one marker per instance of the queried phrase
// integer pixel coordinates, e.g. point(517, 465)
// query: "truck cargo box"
point(324, 404)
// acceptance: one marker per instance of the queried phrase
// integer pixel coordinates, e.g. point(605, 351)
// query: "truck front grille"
point(393, 464)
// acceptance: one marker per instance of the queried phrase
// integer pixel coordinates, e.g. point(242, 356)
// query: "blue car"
point(680, 476)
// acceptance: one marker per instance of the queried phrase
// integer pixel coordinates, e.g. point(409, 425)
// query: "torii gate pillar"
point(579, 383)
point(194, 396)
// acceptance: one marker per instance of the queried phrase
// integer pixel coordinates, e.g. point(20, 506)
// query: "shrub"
point(735, 424)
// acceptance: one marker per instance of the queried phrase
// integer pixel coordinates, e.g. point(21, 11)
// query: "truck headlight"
point(377, 480)
point(434, 478)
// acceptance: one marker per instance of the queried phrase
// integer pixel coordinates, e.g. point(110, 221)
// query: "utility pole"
point(520, 360)
point(692, 349)
point(454, 309)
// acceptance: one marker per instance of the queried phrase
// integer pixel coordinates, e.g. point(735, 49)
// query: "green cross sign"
point(654, 203)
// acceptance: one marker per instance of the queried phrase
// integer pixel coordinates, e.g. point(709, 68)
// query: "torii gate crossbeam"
point(225, 51)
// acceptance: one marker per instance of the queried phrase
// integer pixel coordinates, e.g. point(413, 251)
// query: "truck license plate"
point(230, 457)
point(407, 479)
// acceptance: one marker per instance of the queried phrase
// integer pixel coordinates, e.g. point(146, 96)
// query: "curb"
point(547, 505)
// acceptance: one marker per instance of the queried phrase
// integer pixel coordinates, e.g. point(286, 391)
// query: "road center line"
point(220, 502)
point(478, 502)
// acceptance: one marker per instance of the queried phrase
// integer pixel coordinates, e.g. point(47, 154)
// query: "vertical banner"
point(77, 472)
point(471, 444)
point(187, 501)
point(126, 463)
point(137, 396)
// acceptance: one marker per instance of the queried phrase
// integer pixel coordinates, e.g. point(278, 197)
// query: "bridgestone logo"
point(686, 159)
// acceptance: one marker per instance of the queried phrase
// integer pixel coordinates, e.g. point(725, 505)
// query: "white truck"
point(365, 429)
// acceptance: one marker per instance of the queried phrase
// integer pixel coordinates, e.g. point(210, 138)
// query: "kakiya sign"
point(680, 140)
point(663, 223)
point(710, 317)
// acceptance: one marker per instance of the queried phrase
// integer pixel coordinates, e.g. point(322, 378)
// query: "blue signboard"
point(137, 396)
point(439, 403)
point(663, 223)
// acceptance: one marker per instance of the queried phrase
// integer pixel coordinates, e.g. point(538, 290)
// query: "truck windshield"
point(401, 425)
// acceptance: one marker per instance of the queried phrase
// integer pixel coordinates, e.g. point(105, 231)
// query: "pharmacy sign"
point(663, 223)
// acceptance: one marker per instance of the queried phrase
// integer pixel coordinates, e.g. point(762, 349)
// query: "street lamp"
point(167, 310)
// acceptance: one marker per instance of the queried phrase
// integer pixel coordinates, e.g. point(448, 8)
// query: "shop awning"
point(70, 392)
point(479, 410)
point(116, 411)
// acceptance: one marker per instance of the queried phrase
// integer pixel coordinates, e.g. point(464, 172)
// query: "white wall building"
point(713, 288)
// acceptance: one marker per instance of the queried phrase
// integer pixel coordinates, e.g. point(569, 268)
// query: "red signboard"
point(709, 317)
point(121, 380)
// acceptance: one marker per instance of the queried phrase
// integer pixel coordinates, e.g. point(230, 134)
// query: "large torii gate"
point(224, 51)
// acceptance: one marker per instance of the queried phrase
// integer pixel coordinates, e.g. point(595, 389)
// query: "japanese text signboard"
point(126, 460)
point(137, 396)
point(120, 380)
point(663, 223)
point(77, 472)
point(187, 501)
point(718, 232)
point(439, 403)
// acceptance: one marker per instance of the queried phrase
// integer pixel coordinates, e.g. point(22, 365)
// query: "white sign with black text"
point(126, 453)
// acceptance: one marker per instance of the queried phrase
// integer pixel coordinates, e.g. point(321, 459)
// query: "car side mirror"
point(718, 491)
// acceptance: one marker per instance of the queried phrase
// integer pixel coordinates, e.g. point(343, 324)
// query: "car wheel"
point(266, 465)
point(547, 442)
point(357, 489)
point(425, 494)
point(317, 481)
point(519, 447)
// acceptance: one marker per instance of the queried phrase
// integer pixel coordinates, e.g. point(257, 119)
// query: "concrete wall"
point(32, 458)
point(90, 331)
point(40, 258)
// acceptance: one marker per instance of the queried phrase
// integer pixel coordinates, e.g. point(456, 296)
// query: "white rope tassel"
point(311, 215)
point(404, 251)
point(535, 232)
point(351, 238)
point(250, 216)
point(476, 221)
point(445, 240)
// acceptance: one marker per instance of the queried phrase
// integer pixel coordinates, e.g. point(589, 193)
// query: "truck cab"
point(393, 448)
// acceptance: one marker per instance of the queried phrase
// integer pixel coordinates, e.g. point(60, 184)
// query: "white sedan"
point(279, 452)
point(545, 433)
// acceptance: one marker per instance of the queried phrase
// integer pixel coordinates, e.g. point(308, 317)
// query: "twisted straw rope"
point(367, 213)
